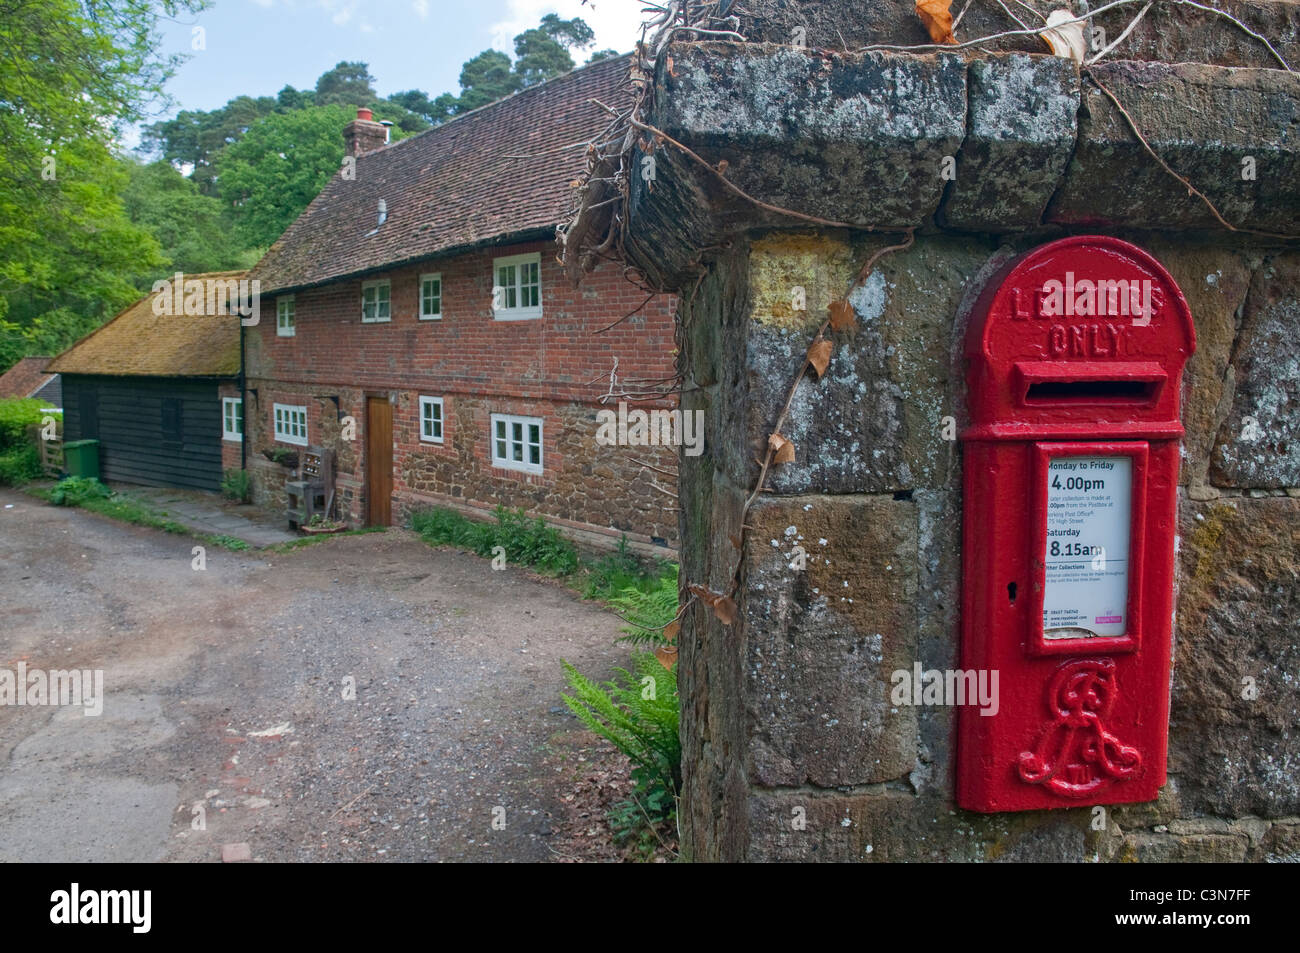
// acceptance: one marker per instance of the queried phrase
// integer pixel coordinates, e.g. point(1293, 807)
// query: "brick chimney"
point(363, 134)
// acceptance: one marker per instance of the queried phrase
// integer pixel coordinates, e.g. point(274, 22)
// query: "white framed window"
point(232, 418)
point(431, 419)
point(284, 326)
point(291, 423)
point(376, 301)
point(517, 287)
point(517, 443)
point(430, 297)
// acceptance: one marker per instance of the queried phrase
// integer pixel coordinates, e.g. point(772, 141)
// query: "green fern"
point(647, 609)
point(639, 717)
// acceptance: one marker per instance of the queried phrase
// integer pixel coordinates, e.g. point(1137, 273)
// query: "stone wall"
point(792, 749)
point(596, 489)
point(790, 708)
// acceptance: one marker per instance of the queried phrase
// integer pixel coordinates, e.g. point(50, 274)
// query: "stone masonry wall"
point(792, 749)
point(874, 498)
point(584, 485)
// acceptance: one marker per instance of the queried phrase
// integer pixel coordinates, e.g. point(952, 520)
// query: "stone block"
point(1149, 848)
point(875, 423)
point(1259, 443)
point(853, 138)
point(823, 641)
point(1205, 122)
point(1020, 132)
point(886, 825)
point(1239, 593)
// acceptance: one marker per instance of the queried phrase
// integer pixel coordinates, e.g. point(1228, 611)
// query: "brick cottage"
point(417, 325)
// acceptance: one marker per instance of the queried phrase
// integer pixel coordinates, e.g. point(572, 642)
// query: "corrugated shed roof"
point(140, 343)
point(499, 171)
point(25, 378)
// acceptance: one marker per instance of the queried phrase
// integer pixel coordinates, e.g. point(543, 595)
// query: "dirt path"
point(224, 691)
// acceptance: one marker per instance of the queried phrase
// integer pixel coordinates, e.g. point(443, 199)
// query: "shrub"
point(20, 464)
point(18, 418)
point(526, 541)
point(73, 491)
point(612, 573)
point(235, 485)
point(638, 714)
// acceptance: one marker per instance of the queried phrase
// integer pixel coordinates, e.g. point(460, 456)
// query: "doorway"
point(379, 461)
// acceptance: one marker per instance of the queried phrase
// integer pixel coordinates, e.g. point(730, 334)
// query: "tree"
point(602, 55)
point(417, 102)
point(193, 230)
point(194, 137)
point(543, 52)
point(75, 72)
point(289, 98)
point(347, 82)
point(572, 34)
point(271, 174)
point(485, 79)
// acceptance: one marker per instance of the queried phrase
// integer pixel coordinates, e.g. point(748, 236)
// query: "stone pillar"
point(848, 565)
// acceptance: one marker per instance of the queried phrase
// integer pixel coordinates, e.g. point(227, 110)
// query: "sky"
point(256, 47)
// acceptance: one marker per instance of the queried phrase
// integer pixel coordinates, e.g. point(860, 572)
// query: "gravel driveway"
point(225, 720)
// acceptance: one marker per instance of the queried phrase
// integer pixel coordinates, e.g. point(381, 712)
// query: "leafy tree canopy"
point(349, 83)
point(67, 247)
point(270, 175)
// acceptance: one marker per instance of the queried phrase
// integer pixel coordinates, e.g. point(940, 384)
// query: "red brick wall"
point(479, 366)
point(230, 449)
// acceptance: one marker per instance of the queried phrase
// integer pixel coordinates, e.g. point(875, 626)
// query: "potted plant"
point(320, 525)
point(281, 455)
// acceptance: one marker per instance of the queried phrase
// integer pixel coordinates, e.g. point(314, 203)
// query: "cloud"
point(421, 8)
point(617, 23)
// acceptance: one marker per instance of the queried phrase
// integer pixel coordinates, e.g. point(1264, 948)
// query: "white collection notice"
point(1089, 508)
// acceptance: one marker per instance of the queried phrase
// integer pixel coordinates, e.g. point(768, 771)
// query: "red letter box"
point(1074, 358)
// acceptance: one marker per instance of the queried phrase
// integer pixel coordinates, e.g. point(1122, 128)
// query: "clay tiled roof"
point(499, 171)
point(25, 378)
point(140, 343)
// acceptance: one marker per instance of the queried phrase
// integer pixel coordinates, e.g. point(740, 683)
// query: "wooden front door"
point(379, 461)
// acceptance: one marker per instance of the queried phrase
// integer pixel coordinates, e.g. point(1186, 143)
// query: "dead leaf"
point(668, 62)
point(819, 355)
point(671, 630)
point(722, 605)
point(936, 15)
point(1065, 39)
point(842, 316)
point(722, 166)
point(782, 449)
point(667, 656)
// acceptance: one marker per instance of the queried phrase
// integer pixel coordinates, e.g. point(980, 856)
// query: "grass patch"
point(292, 544)
point(522, 540)
point(89, 494)
point(645, 595)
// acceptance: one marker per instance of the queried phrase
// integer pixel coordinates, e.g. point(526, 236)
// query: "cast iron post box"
point(1075, 356)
